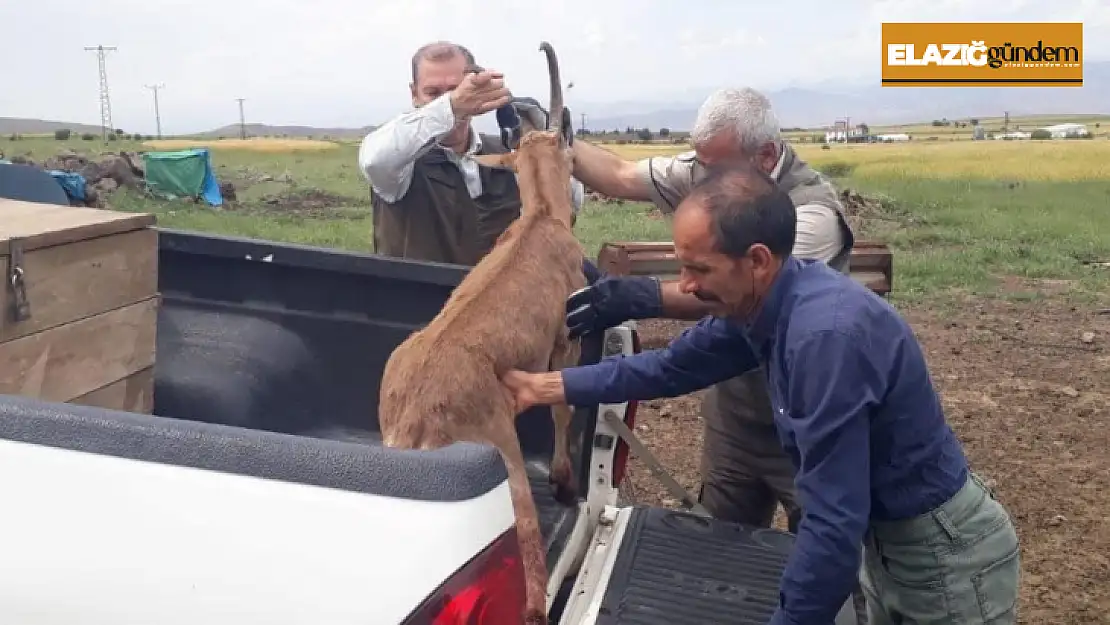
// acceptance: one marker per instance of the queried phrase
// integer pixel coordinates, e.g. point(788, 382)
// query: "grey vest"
point(806, 186)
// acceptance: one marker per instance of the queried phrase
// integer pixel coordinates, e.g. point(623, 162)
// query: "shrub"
point(88, 136)
point(837, 169)
point(1040, 134)
point(62, 134)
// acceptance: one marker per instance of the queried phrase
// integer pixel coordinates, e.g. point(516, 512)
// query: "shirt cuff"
point(580, 384)
point(440, 115)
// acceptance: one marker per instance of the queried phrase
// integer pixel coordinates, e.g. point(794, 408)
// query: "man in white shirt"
point(431, 201)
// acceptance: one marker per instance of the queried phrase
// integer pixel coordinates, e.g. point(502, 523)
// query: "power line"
point(242, 120)
point(157, 114)
point(105, 102)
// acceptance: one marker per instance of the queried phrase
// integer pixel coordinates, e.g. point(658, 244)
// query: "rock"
point(227, 190)
point(106, 185)
point(93, 197)
point(119, 169)
point(1087, 337)
point(92, 173)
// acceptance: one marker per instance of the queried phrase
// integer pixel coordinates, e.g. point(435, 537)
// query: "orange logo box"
point(990, 54)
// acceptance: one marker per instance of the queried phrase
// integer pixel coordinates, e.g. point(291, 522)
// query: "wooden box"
point(79, 307)
point(871, 263)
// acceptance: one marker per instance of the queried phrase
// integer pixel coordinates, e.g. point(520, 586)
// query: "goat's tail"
point(556, 105)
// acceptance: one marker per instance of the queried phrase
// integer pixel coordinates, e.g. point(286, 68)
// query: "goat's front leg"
point(565, 354)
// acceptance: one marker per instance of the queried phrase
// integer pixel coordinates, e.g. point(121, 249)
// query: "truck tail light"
point(620, 456)
point(488, 590)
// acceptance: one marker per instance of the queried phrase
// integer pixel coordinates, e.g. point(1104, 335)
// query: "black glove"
point(611, 300)
point(593, 274)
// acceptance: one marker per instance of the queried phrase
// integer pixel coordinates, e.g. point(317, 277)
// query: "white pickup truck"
point(260, 493)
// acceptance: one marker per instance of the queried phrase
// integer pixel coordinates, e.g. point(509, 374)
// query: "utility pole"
point(1006, 122)
point(157, 115)
point(242, 120)
point(105, 102)
point(583, 126)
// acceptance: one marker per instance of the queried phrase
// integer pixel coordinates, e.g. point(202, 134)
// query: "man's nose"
point(686, 284)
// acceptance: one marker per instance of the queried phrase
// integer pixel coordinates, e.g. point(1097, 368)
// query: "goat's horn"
point(556, 104)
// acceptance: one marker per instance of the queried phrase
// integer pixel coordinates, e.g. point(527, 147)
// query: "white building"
point(900, 136)
point(1013, 135)
point(1063, 131)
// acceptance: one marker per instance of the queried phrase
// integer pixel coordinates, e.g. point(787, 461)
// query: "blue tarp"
point(73, 183)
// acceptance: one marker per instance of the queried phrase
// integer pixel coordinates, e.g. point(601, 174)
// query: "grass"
point(964, 218)
point(257, 144)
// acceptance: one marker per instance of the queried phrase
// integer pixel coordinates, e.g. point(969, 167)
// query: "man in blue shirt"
point(854, 406)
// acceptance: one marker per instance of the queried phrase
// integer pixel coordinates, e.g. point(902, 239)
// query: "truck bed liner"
point(675, 568)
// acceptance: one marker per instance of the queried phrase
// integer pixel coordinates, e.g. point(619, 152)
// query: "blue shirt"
point(853, 404)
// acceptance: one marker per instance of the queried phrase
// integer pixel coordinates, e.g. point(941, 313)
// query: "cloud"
point(345, 62)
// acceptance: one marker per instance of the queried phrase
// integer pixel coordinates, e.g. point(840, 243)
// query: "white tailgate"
point(101, 540)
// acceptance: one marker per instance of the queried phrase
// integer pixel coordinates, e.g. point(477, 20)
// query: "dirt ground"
point(1026, 386)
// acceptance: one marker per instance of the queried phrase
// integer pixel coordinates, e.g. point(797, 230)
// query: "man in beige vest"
point(745, 471)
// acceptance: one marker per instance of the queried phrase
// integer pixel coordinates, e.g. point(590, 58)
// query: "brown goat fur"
point(442, 384)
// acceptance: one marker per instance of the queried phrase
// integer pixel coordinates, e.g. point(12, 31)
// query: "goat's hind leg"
point(503, 436)
point(565, 354)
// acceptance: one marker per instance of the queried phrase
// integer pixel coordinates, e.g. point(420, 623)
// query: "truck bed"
point(302, 336)
point(667, 567)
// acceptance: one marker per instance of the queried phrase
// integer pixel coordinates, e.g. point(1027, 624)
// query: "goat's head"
point(549, 146)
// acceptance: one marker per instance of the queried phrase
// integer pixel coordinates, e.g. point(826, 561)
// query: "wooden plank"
point(77, 358)
point(70, 282)
point(43, 225)
point(135, 393)
point(871, 263)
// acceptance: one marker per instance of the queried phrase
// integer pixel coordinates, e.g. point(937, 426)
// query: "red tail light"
point(620, 456)
point(488, 590)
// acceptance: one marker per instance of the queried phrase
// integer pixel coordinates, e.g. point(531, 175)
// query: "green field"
point(963, 217)
point(1001, 266)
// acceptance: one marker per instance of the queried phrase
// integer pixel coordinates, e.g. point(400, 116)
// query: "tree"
point(664, 132)
point(1040, 133)
point(62, 134)
point(643, 134)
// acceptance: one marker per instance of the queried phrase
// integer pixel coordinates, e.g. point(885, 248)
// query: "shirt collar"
point(762, 328)
point(782, 159)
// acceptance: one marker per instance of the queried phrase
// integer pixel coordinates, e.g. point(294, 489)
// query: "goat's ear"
point(499, 161)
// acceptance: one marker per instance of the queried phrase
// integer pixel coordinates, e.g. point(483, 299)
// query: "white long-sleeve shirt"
point(387, 155)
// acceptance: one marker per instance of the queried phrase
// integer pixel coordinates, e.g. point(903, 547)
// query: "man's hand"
point(611, 300)
point(479, 93)
point(534, 389)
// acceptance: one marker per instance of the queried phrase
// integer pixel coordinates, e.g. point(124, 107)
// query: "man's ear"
point(499, 161)
point(412, 94)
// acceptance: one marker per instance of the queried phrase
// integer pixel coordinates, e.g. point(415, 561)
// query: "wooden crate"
point(79, 307)
point(870, 263)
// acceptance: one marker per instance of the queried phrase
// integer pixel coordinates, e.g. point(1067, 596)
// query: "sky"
point(345, 63)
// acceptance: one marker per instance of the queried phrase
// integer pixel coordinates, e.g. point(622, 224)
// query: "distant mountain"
point(811, 106)
point(16, 125)
point(266, 130)
point(875, 105)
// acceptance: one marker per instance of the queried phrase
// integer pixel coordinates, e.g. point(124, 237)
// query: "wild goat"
point(442, 384)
